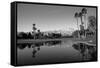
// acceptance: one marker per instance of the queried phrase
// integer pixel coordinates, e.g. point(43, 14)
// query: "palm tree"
point(38, 31)
point(34, 28)
point(76, 16)
point(80, 15)
point(82, 24)
point(84, 12)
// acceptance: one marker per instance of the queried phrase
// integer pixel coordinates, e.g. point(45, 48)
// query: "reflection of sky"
point(48, 17)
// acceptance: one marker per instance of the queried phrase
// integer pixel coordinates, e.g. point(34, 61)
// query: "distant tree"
point(29, 35)
point(92, 23)
point(22, 35)
point(75, 34)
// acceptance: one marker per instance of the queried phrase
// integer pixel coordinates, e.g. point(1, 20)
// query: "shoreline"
point(74, 40)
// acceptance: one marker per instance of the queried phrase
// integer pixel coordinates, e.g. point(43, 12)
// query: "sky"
point(48, 17)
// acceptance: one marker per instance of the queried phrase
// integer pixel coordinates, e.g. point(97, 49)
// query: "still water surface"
point(52, 52)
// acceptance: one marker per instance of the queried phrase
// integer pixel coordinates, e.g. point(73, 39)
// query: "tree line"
point(85, 28)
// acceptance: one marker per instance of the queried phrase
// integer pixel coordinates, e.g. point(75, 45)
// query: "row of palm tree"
point(81, 15)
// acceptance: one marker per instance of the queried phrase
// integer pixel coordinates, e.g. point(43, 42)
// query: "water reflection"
point(24, 45)
point(37, 46)
point(52, 43)
point(88, 52)
point(55, 51)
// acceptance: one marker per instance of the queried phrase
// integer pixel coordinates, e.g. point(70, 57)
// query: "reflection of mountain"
point(88, 52)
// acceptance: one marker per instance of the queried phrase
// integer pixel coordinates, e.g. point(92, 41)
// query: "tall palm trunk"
point(85, 21)
point(77, 23)
point(77, 27)
point(81, 27)
point(76, 16)
point(85, 24)
point(81, 20)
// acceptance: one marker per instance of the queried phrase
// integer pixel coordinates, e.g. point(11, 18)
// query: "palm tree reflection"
point(36, 48)
point(34, 52)
point(88, 52)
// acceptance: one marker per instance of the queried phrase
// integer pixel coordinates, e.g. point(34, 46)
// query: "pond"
point(54, 52)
